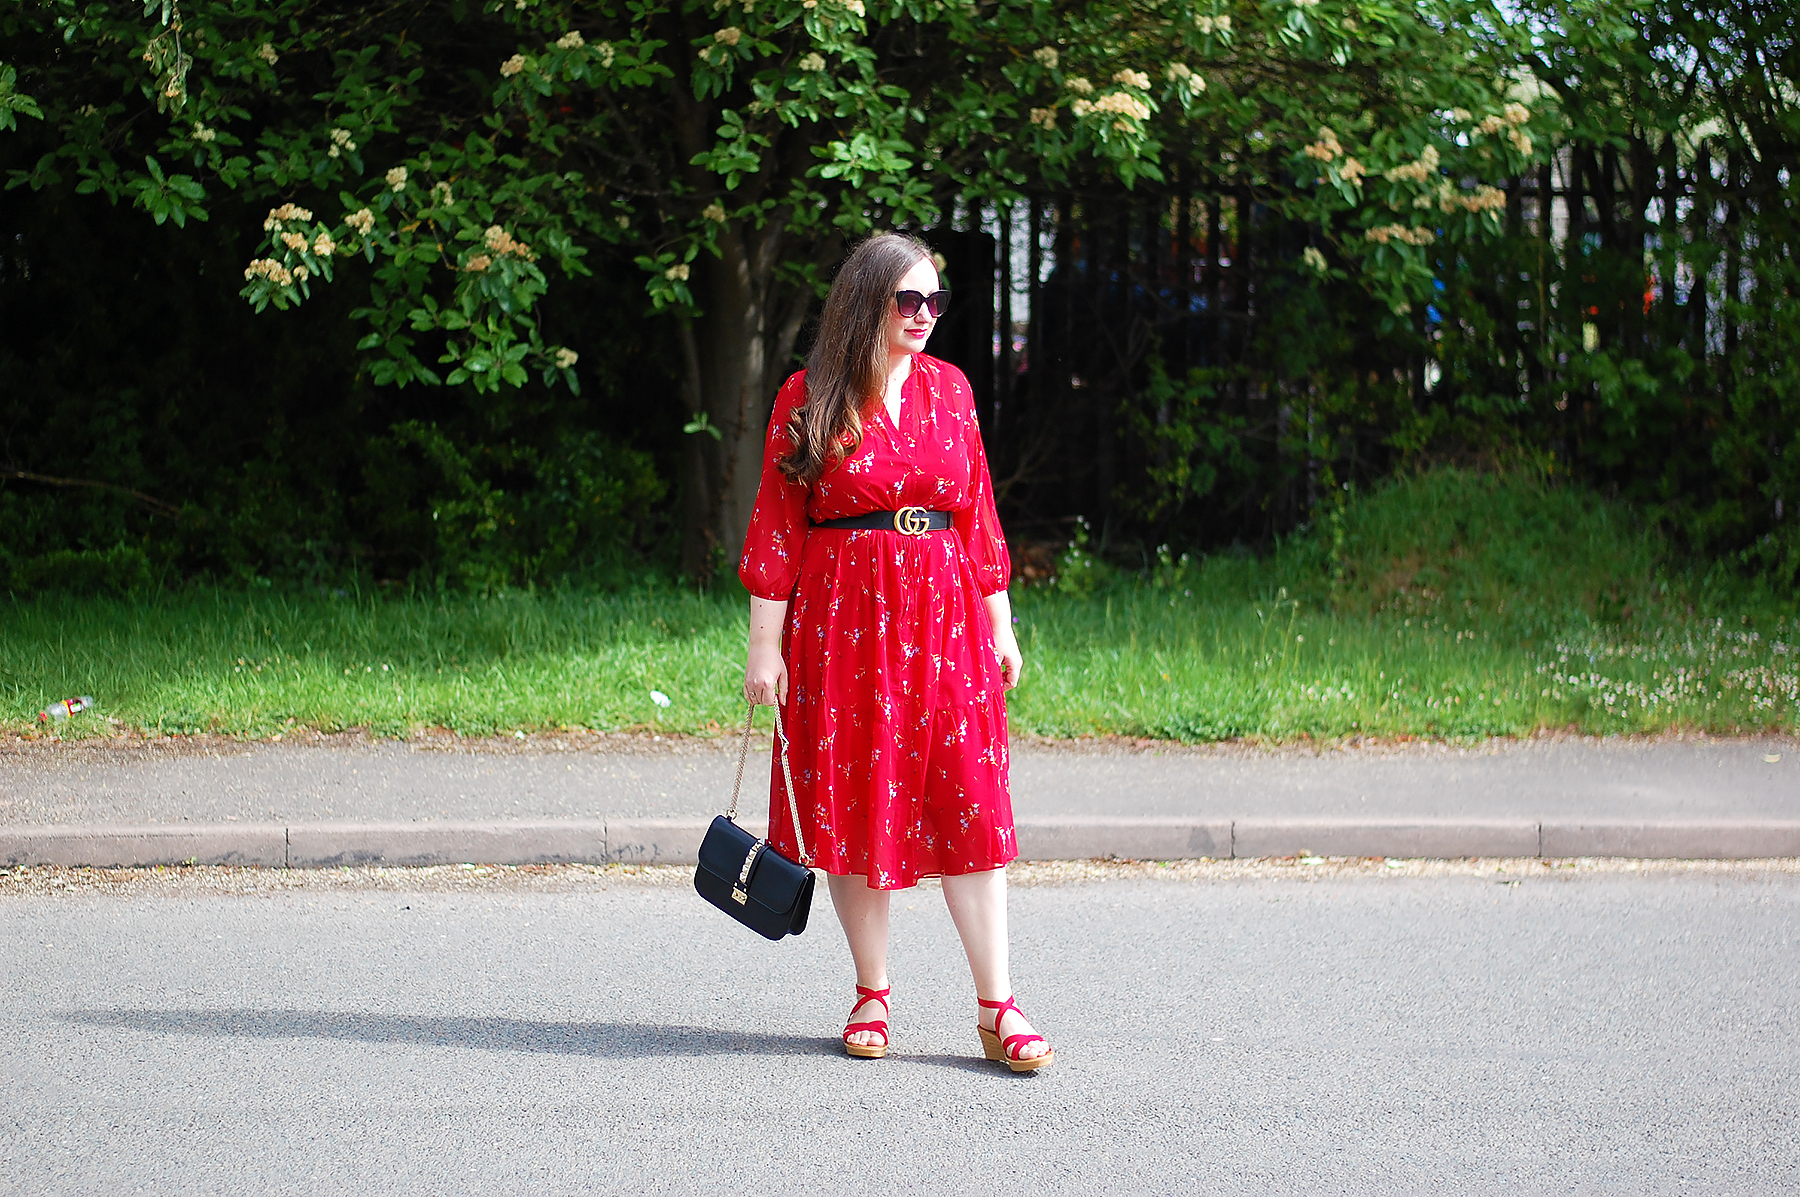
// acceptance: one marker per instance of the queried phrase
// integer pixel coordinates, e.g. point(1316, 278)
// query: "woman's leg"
point(864, 915)
point(977, 903)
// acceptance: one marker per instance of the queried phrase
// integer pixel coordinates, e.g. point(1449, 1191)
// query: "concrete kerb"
point(1406, 838)
point(329, 845)
point(676, 841)
point(120, 847)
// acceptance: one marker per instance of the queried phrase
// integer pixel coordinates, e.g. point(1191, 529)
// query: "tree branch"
point(49, 480)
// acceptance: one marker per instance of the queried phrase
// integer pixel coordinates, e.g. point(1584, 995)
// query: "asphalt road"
point(1613, 1033)
point(346, 778)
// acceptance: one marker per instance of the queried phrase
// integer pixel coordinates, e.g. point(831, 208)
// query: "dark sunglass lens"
point(908, 302)
point(937, 302)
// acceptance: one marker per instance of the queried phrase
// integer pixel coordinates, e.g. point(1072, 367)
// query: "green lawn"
point(1449, 605)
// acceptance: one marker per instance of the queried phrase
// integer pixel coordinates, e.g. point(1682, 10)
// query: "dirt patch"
point(125, 746)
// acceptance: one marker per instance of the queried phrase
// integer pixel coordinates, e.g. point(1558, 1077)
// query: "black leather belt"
point(913, 521)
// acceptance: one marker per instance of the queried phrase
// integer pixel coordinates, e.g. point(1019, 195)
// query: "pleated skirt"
point(896, 715)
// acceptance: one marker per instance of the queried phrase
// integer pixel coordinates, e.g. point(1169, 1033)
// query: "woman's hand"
point(1006, 645)
point(765, 672)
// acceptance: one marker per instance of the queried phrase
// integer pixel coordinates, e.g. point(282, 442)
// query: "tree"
point(731, 148)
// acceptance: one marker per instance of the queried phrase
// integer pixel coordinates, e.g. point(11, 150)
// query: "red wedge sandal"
point(1007, 1050)
point(868, 1051)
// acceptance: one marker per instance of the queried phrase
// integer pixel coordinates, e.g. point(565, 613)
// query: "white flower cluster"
point(396, 178)
point(294, 241)
point(714, 212)
point(361, 220)
point(441, 195)
point(285, 213)
point(1219, 24)
point(677, 273)
point(512, 66)
point(566, 357)
point(1448, 199)
point(503, 244)
point(1046, 56)
point(274, 271)
point(1416, 171)
point(1131, 78)
point(1326, 148)
point(572, 40)
point(1079, 86)
point(266, 52)
point(323, 246)
point(731, 35)
point(604, 51)
point(1044, 118)
point(812, 62)
point(1507, 121)
point(1314, 260)
point(202, 133)
point(1120, 104)
point(1399, 232)
point(341, 143)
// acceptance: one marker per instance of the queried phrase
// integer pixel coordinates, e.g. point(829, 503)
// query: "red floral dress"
point(896, 713)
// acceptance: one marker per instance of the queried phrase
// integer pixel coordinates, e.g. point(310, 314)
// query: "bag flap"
point(776, 881)
point(723, 850)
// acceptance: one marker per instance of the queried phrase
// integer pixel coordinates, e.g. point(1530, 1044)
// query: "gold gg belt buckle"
point(912, 521)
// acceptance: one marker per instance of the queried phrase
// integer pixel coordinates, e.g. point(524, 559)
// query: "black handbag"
point(743, 875)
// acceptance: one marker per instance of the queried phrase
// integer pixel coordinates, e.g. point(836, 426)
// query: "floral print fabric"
point(896, 715)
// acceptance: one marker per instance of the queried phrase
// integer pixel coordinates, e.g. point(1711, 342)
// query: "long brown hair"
point(848, 362)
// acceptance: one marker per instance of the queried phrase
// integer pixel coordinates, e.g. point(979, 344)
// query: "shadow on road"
point(603, 1040)
point(610, 1040)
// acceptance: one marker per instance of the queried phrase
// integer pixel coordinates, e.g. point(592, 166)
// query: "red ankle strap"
point(1011, 1003)
point(874, 993)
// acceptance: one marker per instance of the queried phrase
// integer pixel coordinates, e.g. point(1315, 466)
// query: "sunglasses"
point(909, 303)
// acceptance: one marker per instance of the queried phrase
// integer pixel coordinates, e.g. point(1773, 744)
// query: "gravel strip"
point(214, 880)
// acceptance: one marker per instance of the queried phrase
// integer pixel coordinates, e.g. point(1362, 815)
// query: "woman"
point(879, 622)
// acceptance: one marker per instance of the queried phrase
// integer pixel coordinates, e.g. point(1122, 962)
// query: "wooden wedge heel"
point(1007, 1050)
point(868, 1051)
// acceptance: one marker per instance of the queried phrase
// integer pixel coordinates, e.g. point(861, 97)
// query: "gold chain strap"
point(787, 774)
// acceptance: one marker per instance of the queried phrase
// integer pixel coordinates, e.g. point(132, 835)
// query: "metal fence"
point(1062, 299)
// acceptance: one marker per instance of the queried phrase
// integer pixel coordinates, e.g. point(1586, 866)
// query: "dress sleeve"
point(979, 523)
point(770, 565)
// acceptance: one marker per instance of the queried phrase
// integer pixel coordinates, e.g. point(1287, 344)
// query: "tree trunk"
point(738, 351)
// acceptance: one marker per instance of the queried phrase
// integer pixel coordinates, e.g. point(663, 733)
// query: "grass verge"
point(1450, 604)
